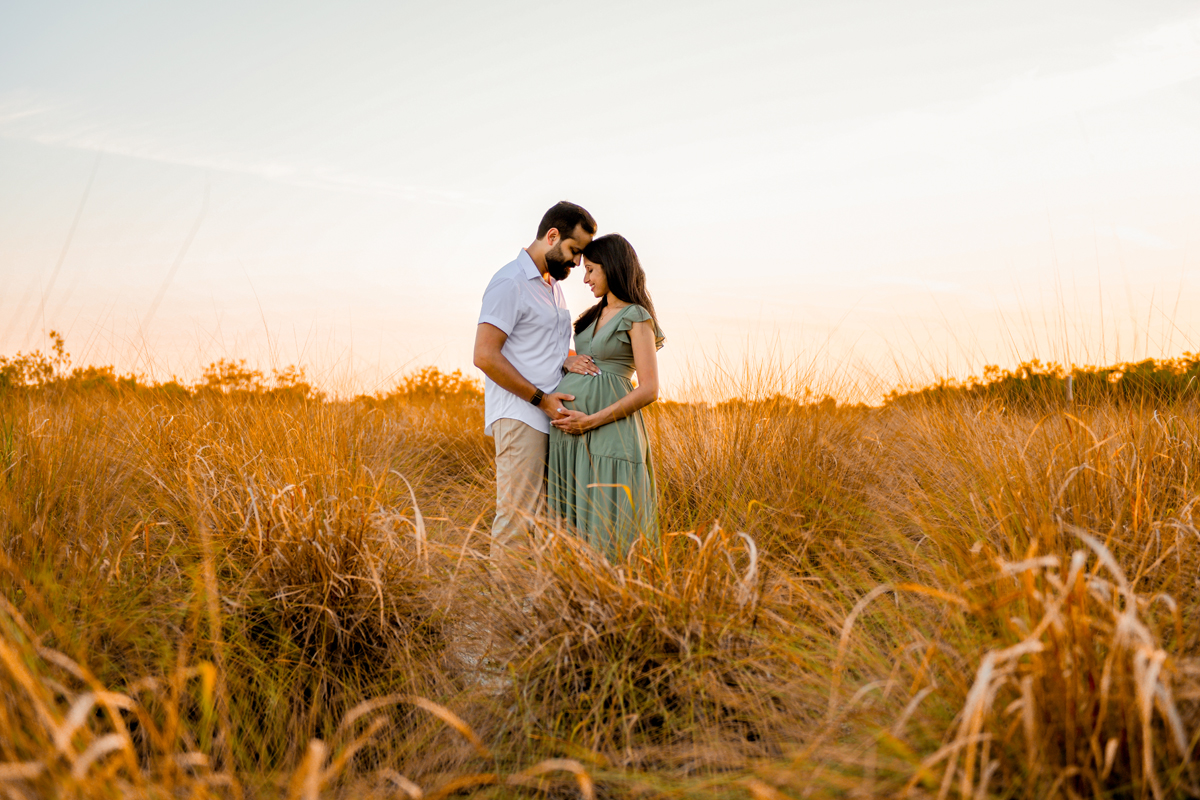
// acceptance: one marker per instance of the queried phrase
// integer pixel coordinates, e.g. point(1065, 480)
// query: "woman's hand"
point(581, 365)
point(574, 422)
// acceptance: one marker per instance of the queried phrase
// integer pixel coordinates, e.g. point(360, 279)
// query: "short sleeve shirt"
point(534, 314)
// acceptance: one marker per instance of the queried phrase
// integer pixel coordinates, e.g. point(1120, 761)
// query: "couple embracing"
point(570, 439)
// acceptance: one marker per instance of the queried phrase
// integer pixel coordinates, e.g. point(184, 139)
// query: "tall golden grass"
point(245, 591)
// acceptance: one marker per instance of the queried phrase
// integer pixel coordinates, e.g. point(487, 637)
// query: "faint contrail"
point(41, 314)
point(187, 243)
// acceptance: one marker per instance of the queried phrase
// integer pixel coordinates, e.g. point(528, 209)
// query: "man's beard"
point(558, 267)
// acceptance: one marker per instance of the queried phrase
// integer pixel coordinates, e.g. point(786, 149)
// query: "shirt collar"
point(531, 270)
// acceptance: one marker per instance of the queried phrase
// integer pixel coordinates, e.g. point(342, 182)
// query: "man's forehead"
point(581, 237)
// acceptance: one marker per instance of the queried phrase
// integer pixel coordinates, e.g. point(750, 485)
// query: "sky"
point(843, 193)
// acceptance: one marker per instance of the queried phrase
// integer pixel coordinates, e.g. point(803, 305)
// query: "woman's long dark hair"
point(626, 280)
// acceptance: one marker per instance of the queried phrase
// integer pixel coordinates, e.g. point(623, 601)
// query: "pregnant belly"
point(593, 392)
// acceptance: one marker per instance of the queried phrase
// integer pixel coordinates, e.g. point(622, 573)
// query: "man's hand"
point(573, 422)
point(552, 405)
point(581, 365)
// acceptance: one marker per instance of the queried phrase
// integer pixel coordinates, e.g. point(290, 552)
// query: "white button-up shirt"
point(533, 312)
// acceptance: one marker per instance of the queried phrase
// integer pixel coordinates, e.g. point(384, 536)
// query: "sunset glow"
point(878, 192)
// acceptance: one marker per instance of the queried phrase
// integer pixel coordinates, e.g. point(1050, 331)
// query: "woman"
point(600, 478)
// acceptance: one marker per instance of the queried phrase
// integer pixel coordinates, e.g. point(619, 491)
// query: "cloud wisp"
point(54, 124)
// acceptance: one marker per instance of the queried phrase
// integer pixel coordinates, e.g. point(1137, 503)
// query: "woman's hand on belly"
point(581, 365)
point(575, 422)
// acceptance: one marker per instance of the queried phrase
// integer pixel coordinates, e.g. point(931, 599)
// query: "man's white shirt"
point(533, 312)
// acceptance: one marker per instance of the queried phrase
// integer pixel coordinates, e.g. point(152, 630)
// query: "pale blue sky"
point(864, 186)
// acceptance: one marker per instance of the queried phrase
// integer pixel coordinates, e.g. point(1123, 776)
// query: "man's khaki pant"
point(520, 480)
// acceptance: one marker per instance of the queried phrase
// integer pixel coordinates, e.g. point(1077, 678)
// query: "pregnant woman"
point(600, 477)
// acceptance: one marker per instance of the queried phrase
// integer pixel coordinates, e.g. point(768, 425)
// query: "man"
point(522, 344)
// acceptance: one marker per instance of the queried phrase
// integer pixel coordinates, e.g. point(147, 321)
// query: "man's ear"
point(552, 237)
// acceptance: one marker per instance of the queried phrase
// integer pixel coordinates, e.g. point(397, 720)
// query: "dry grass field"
point(246, 591)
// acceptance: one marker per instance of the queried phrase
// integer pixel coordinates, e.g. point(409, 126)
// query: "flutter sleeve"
point(638, 314)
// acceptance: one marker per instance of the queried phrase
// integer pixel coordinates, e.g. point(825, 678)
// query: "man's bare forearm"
point(488, 357)
point(504, 374)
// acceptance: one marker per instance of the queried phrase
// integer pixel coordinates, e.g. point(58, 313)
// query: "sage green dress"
point(601, 483)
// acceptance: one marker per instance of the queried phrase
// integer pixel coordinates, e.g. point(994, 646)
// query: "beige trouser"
point(520, 480)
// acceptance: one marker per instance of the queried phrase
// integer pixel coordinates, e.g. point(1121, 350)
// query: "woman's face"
point(593, 276)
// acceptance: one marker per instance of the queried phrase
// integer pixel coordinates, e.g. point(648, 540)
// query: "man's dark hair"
point(563, 217)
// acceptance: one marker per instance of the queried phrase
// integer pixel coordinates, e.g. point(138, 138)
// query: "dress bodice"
point(609, 344)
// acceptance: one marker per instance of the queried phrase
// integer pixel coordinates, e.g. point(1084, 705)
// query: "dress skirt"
point(601, 483)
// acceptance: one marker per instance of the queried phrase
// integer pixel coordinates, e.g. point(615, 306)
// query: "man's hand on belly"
point(552, 404)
